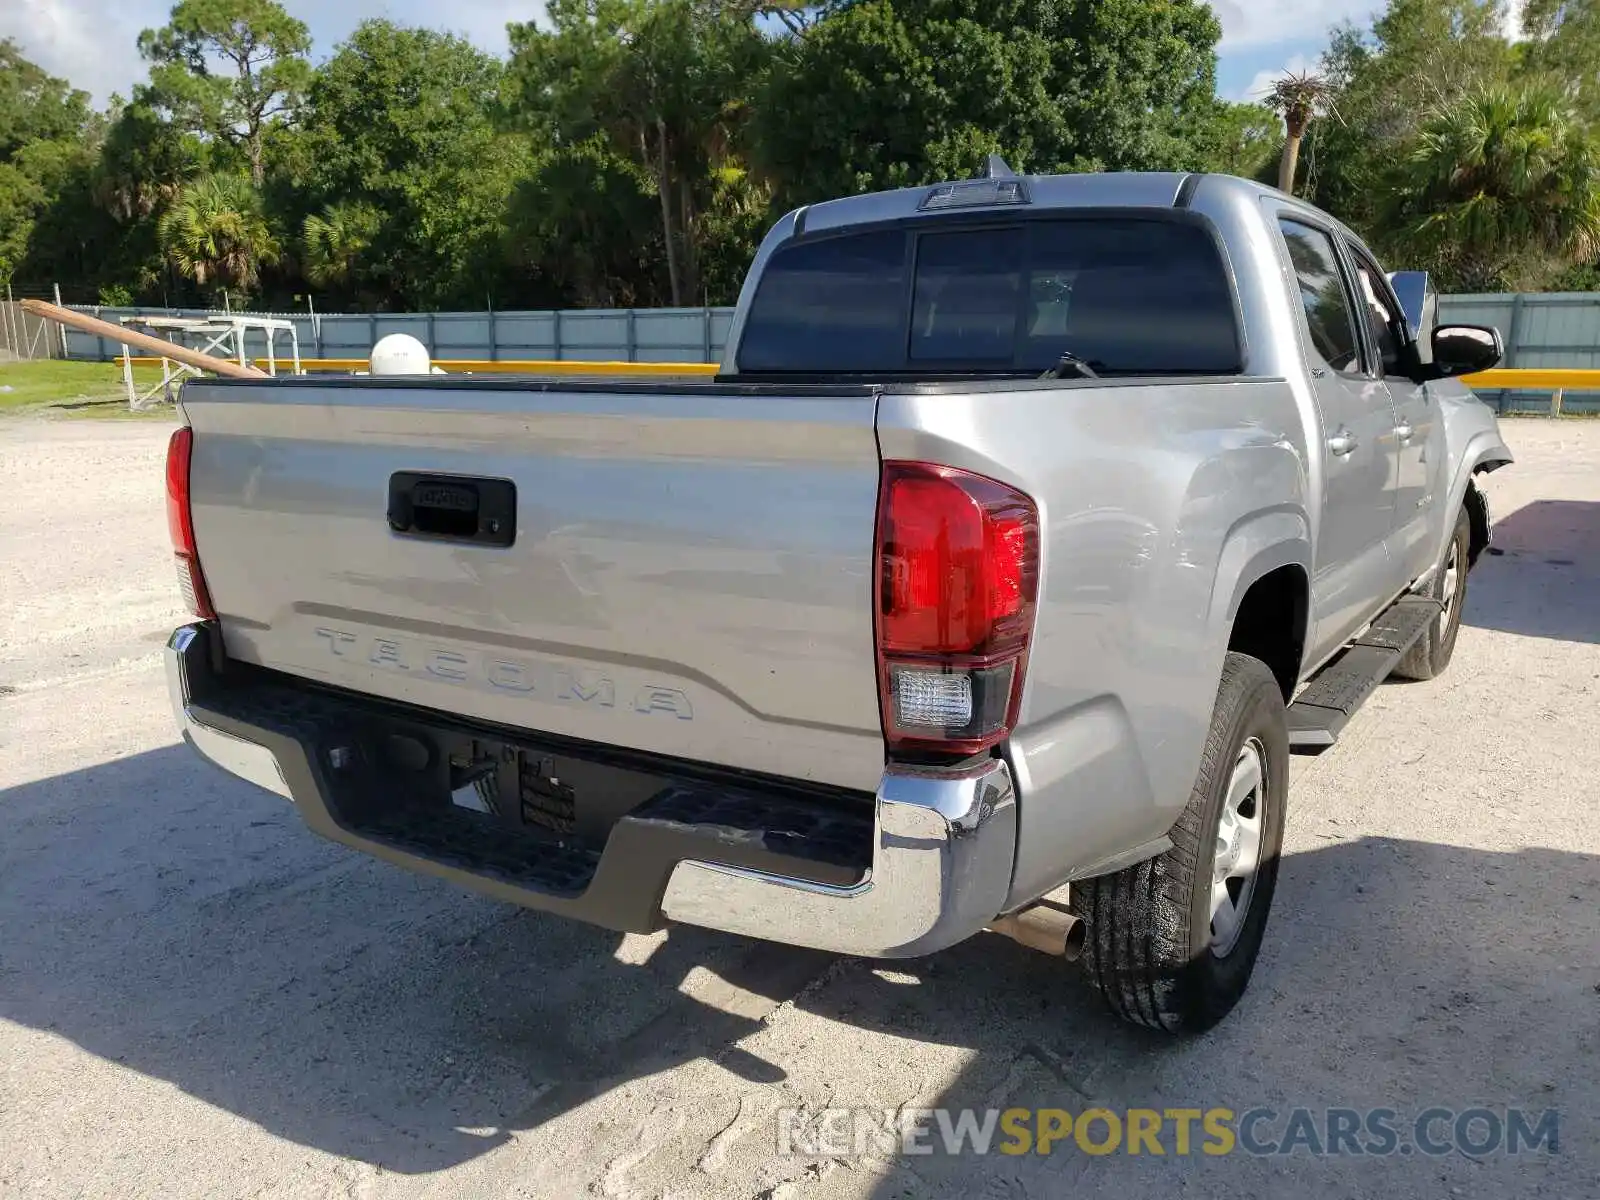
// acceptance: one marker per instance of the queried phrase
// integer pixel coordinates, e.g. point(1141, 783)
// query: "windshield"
point(1128, 295)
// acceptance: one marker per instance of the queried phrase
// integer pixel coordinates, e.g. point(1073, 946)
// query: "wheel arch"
point(1263, 593)
point(1272, 620)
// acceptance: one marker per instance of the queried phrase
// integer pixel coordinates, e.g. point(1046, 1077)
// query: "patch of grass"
point(49, 385)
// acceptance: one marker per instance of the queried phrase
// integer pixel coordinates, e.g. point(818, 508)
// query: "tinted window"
point(968, 284)
point(1383, 317)
point(836, 304)
point(1323, 295)
point(1129, 296)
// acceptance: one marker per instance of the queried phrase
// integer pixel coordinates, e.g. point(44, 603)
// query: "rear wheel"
point(1434, 649)
point(1171, 943)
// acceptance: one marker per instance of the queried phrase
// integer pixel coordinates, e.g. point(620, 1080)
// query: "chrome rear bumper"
point(940, 863)
point(941, 868)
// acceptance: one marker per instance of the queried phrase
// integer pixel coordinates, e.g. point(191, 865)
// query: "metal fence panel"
point(1554, 329)
point(593, 335)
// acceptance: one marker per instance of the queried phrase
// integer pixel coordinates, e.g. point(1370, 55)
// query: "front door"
point(1353, 572)
point(1419, 448)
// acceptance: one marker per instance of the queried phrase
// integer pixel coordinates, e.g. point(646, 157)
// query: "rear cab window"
point(1129, 295)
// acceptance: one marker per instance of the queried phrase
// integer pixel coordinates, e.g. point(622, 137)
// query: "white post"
point(62, 328)
point(272, 351)
point(11, 322)
point(127, 376)
point(294, 344)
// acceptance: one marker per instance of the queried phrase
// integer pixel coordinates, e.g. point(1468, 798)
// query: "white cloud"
point(1263, 81)
point(87, 42)
point(1268, 22)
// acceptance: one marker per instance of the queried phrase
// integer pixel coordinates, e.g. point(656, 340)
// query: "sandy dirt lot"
point(200, 999)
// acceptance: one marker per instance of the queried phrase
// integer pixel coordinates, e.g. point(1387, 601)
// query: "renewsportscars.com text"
point(1261, 1131)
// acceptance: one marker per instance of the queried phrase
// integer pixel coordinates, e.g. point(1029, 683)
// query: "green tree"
point(215, 233)
point(1561, 44)
point(667, 82)
point(1417, 56)
point(586, 220)
point(1242, 139)
point(228, 69)
point(144, 162)
point(35, 106)
point(402, 122)
point(1501, 191)
point(47, 135)
point(336, 240)
point(885, 93)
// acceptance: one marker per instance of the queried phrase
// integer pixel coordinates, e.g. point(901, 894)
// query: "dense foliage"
point(634, 151)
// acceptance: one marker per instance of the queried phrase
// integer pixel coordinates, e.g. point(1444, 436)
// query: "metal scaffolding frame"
point(226, 333)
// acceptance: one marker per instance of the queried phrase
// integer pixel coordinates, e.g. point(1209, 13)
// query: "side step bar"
point(1325, 706)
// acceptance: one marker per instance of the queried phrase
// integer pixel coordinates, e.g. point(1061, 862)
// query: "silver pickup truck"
point(1029, 526)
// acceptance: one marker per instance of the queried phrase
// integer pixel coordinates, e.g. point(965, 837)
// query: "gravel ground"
point(198, 998)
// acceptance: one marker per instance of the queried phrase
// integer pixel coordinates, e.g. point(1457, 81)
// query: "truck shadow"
point(164, 917)
point(1541, 574)
point(1396, 974)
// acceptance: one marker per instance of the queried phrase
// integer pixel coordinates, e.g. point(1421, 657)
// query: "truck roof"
point(1110, 189)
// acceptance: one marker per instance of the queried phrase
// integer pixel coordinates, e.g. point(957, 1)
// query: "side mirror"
point(1465, 350)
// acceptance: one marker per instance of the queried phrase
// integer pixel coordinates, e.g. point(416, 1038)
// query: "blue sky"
point(91, 42)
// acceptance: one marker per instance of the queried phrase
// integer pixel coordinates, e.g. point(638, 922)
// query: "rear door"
point(1353, 572)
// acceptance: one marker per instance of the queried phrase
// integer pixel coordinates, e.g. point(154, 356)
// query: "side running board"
point(1322, 710)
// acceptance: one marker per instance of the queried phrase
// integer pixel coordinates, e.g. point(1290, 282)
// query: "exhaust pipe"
point(1045, 926)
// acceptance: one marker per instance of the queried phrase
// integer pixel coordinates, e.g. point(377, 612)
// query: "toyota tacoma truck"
point(1028, 526)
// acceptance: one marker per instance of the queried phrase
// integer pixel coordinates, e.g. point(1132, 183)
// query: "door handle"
point(1341, 444)
point(1404, 432)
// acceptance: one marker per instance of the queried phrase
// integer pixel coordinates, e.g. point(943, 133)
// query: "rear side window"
point(1127, 295)
point(1323, 295)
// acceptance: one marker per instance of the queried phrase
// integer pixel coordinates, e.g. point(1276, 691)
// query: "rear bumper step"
point(923, 866)
point(1322, 710)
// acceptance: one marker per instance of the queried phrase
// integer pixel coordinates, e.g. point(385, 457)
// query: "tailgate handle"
point(453, 508)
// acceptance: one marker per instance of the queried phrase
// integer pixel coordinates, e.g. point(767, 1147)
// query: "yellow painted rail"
point(1536, 379)
point(497, 366)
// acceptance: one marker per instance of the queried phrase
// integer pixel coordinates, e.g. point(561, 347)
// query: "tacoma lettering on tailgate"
point(541, 679)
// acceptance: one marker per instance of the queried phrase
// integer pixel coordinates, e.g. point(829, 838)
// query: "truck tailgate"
point(691, 571)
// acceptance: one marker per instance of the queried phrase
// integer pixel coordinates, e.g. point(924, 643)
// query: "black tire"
point(1434, 649)
point(1148, 932)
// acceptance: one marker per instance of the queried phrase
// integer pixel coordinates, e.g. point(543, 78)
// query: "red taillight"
point(180, 524)
point(958, 571)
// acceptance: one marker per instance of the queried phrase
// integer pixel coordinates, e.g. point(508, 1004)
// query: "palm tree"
point(1501, 190)
point(1297, 98)
point(215, 234)
point(335, 240)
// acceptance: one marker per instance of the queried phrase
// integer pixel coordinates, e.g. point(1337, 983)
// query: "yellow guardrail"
point(1536, 379)
point(487, 366)
point(1558, 381)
